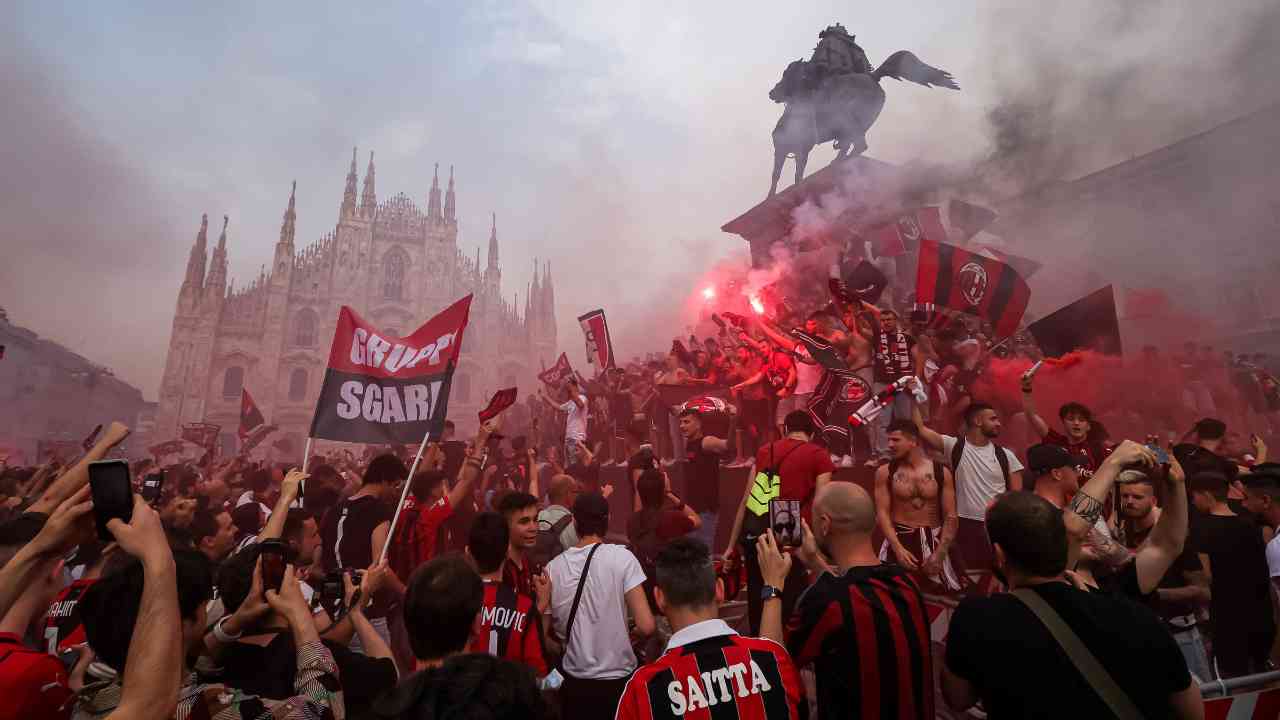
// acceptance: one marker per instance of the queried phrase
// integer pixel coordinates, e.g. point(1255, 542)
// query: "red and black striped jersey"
point(867, 634)
point(510, 627)
point(63, 627)
point(723, 677)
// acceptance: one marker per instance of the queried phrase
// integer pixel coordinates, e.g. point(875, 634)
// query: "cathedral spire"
point(215, 286)
point(286, 227)
point(433, 198)
point(549, 292)
point(369, 198)
point(450, 205)
point(493, 245)
point(196, 261)
point(349, 195)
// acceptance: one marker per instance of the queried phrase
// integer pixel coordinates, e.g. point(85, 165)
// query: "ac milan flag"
point(168, 447)
point(968, 218)
point(558, 373)
point(599, 345)
point(954, 278)
point(255, 438)
point(383, 389)
point(500, 401)
point(250, 415)
point(1087, 324)
point(203, 434)
point(900, 236)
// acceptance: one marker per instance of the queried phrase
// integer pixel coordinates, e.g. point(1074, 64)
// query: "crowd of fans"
point(1091, 576)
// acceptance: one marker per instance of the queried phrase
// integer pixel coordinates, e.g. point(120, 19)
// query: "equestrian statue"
point(836, 96)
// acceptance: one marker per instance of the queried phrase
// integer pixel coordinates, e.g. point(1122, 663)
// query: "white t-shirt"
point(807, 374)
point(600, 648)
point(978, 476)
point(1273, 556)
point(576, 425)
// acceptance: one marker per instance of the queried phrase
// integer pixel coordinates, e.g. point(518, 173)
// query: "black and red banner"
point(383, 389)
point(500, 401)
point(250, 415)
point(1089, 323)
point(904, 234)
point(968, 282)
point(203, 434)
point(255, 438)
point(558, 373)
point(599, 345)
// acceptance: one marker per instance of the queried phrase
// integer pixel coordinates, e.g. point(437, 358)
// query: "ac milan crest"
point(973, 282)
point(855, 390)
point(909, 227)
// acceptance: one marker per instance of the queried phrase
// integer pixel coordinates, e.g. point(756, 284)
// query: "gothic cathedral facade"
point(393, 264)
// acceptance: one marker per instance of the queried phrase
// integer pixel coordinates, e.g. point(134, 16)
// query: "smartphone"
point(784, 519)
point(272, 553)
point(112, 493)
point(152, 487)
point(1162, 455)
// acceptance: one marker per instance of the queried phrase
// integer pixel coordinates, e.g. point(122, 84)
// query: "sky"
point(611, 139)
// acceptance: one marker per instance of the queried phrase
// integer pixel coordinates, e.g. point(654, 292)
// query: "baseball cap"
point(1045, 457)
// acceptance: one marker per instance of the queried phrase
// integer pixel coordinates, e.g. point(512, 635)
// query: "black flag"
point(1086, 324)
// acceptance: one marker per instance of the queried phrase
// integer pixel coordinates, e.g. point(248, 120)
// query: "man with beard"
point(1184, 589)
point(859, 620)
point(916, 510)
point(983, 470)
point(1082, 436)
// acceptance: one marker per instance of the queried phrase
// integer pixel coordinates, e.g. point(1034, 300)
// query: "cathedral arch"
point(395, 272)
point(305, 328)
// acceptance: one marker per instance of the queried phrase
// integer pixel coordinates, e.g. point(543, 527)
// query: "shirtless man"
point(916, 510)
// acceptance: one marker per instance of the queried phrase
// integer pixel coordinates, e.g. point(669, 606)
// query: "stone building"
point(393, 264)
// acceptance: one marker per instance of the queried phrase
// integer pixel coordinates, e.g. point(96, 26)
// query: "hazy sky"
point(611, 138)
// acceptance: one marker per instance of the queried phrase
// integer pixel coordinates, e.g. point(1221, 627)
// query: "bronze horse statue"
point(841, 108)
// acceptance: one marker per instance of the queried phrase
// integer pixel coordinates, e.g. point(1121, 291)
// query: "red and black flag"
point(500, 401)
point(599, 344)
point(250, 415)
point(558, 373)
point(1087, 324)
point(384, 389)
point(203, 434)
point(969, 219)
point(954, 278)
point(255, 438)
point(905, 233)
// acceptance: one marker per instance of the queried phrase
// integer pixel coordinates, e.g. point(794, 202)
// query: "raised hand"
point(143, 536)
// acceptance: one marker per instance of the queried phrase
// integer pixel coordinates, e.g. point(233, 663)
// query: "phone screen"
point(112, 494)
point(272, 554)
point(1162, 455)
point(152, 485)
point(784, 519)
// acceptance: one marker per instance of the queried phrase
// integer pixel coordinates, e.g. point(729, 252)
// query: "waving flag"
point(904, 234)
point(558, 373)
point(250, 415)
point(954, 278)
point(1087, 324)
point(500, 401)
point(203, 434)
point(599, 345)
point(379, 388)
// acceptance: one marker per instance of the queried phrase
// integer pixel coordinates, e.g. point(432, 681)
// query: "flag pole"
point(306, 454)
point(408, 483)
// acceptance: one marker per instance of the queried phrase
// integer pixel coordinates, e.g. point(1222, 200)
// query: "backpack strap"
point(1004, 463)
point(561, 524)
point(956, 452)
point(1115, 698)
point(577, 598)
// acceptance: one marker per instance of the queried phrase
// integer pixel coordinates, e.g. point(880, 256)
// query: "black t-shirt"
point(1188, 561)
point(1020, 671)
point(1240, 583)
point(701, 477)
point(348, 529)
point(268, 671)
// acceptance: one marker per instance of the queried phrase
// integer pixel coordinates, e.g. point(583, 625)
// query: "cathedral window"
point(298, 385)
point(395, 265)
point(232, 383)
point(304, 328)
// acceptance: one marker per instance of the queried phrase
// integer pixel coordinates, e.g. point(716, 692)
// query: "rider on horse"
point(836, 54)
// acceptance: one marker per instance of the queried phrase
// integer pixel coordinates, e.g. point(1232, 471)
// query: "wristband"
point(220, 635)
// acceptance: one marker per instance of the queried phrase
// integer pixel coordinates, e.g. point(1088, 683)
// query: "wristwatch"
point(769, 592)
